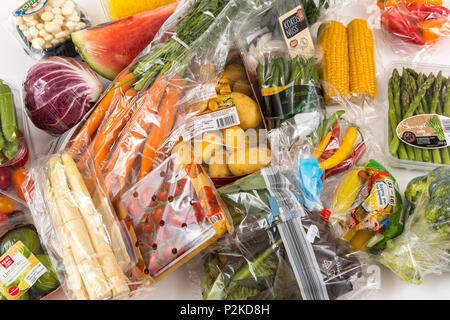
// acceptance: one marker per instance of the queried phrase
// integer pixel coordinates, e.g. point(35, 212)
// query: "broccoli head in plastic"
point(424, 247)
point(437, 211)
point(415, 189)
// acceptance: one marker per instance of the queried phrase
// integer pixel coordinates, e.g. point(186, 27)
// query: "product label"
point(213, 121)
point(381, 196)
point(30, 7)
point(19, 271)
point(286, 102)
point(428, 131)
point(296, 33)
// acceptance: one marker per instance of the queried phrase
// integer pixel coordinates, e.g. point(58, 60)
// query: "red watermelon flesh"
point(110, 48)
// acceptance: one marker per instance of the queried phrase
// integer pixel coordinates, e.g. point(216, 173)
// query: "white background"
point(14, 64)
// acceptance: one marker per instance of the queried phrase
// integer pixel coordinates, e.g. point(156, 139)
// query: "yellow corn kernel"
point(335, 71)
point(125, 8)
point(362, 58)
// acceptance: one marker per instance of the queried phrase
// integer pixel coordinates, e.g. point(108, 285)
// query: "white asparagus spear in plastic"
point(103, 206)
point(74, 281)
point(96, 229)
point(82, 249)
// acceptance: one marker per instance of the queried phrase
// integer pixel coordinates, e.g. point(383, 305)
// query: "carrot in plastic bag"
point(110, 131)
point(104, 107)
point(134, 135)
point(160, 132)
point(107, 135)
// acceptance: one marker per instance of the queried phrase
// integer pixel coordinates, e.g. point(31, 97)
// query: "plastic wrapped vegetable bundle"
point(348, 65)
point(415, 24)
point(174, 212)
point(278, 51)
point(366, 207)
point(278, 250)
point(19, 240)
point(425, 245)
point(90, 251)
point(227, 129)
point(151, 99)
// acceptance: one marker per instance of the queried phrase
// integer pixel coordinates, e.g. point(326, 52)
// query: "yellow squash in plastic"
point(346, 193)
point(126, 8)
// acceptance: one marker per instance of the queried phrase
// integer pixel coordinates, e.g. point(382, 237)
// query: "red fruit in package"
point(155, 264)
point(402, 24)
point(180, 187)
point(158, 214)
point(178, 219)
point(425, 12)
point(146, 197)
point(135, 209)
point(146, 225)
point(196, 215)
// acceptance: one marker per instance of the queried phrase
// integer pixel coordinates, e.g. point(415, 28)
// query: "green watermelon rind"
point(91, 60)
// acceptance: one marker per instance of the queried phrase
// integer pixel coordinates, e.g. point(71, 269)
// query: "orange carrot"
point(134, 135)
point(108, 133)
point(104, 107)
point(111, 129)
point(160, 132)
point(87, 155)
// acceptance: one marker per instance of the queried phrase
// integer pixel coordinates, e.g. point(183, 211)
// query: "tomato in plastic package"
point(5, 178)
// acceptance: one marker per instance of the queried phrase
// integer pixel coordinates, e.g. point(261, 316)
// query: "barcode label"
point(218, 120)
point(446, 125)
point(303, 260)
point(227, 122)
point(280, 189)
point(391, 191)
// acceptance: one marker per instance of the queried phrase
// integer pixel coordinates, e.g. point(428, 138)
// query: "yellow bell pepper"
point(323, 145)
point(343, 152)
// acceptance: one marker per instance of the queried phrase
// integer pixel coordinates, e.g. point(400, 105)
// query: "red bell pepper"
point(402, 24)
point(427, 12)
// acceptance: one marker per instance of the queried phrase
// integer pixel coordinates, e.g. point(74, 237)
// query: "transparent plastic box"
point(422, 112)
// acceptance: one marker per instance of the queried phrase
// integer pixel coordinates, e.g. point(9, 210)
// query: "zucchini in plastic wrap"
point(256, 263)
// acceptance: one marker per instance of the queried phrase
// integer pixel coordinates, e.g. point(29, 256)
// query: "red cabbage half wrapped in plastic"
point(59, 92)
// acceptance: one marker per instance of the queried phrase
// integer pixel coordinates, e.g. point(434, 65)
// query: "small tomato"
point(6, 205)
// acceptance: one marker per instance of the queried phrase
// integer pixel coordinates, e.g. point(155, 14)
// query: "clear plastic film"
point(279, 55)
point(175, 213)
point(423, 248)
point(59, 92)
point(17, 149)
point(18, 239)
point(278, 250)
point(13, 141)
point(110, 47)
point(119, 9)
point(319, 149)
point(365, 206)
point(43, 27)
point(145, 111)
point(416, 123)
point(413, 27)
point(339, 138)
point(348, 65)
point(90, 250)
point(227, 136)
